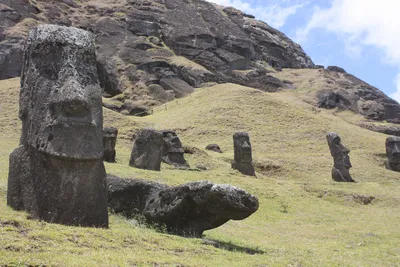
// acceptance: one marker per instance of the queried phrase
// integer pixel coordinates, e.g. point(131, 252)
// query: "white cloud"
point(361, 23)
point(274, 12)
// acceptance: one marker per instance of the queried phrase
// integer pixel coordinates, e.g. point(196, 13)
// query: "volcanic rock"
point(188, 209)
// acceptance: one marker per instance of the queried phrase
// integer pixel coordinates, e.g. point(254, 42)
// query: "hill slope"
point(304, 219)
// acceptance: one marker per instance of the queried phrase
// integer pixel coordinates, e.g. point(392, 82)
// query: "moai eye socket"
point(47, 59)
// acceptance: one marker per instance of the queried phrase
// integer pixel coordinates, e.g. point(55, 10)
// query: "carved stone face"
point(174, 144)
point(242, 148)
point(60, 103)
point(339, 152)
point(393, 149)
point(173, 152)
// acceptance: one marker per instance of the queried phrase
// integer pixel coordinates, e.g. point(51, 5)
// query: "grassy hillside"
point(304, 219)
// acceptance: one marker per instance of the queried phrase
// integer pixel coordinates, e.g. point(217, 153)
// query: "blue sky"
point(361, 36)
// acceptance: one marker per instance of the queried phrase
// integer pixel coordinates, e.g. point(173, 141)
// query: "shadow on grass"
point(232, 247)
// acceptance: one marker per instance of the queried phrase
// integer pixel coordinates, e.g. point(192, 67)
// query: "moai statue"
point(173, 152)
point(57, 172)
point(393, 153)
point(147, 150)
point(243, 160)
point(109, 142)
point(341, 160)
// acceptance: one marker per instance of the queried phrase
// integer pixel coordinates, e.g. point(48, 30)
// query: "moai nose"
point(246, 146)
point(396, 151)
point(75, 108)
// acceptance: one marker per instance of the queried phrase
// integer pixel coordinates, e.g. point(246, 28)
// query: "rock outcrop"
point(188, 209)
point(351, 93)
point(57, 172)
point(155, 50)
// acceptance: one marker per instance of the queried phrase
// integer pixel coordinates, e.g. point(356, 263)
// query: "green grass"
point(304, 219)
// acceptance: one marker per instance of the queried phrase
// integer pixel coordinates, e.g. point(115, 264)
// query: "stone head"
point(339, 152)
point(173, 143)
point(393, 149)
point(110, 137)
point(242, 147)
point(60, 99)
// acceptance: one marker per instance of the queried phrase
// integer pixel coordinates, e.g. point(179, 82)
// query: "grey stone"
point(243, 160)
point(147, 150)
point(393, 153)
point(341, 159)
point(173, 151)
point(109, 141)
point(57, 173)
point(214, 147)
point(336, 69)
point(188, 209)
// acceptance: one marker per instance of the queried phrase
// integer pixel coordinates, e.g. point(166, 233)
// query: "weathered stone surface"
point(147, 150)
point(212, 40)
point(336, 69)
point(387, 128)
point(57, 173)
point(214, 147)
point(173, 151)
point(188, 209)
point(330, 99)
point(346, 92)
point(109, 141)
point(393, 153)
point(243, 160)
point(341, 159)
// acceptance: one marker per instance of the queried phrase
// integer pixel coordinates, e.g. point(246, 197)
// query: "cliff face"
point(157, 50)
point(152, 51)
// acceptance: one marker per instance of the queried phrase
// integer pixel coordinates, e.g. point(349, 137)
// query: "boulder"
point(214, 147)
point(57, 173)
point(336, 69)
point(187, 210)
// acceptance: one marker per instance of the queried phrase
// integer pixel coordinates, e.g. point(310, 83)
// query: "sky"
point(361, 36)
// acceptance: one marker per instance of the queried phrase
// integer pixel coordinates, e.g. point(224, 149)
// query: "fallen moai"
point(188, 209)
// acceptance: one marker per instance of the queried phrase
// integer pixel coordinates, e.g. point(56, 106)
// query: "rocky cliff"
point(152, 51)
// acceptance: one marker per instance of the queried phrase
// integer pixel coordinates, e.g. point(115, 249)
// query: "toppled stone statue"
point(214, 147)
point(188, 209)
point(57, 172)
point(109, 141)
point(341, 159)
point(393, 153)
point(243, 160)
point(147, 150)
point(173, 151)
